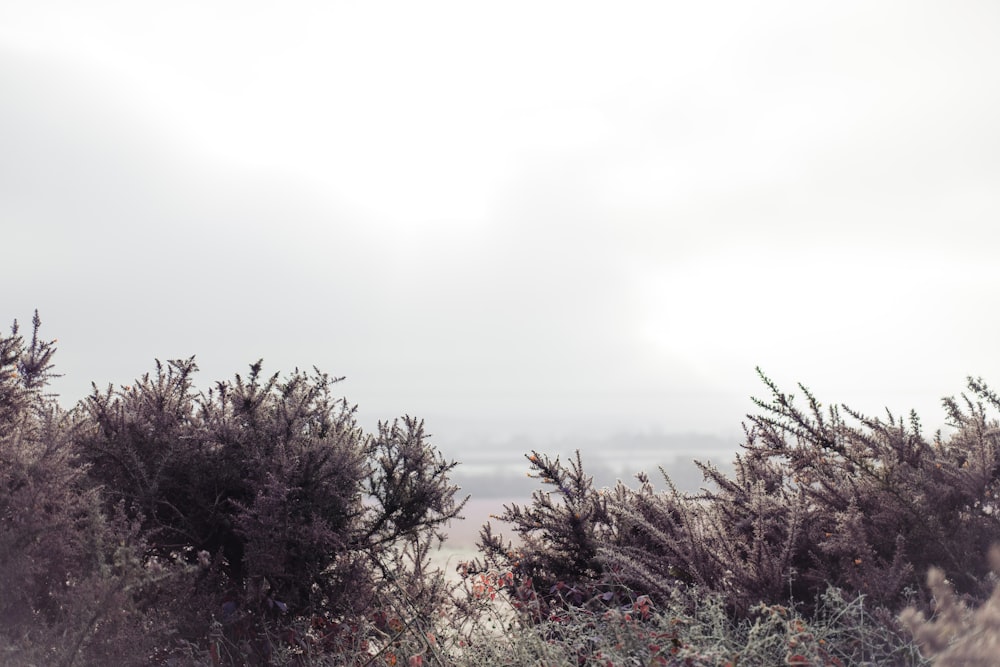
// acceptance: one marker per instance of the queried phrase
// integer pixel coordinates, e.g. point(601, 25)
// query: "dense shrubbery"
point(73, 583)
point(815, 501)
point(230, 523)
point(268, 478)
point(867, 506)
point(257, 524)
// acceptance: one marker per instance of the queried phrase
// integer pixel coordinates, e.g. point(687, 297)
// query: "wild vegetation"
point(256, 523)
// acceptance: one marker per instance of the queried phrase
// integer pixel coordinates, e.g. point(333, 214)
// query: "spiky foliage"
point(556, 560)
point(819, 497)
point(957, 635)
point(38, 494)
point(867, 505)
point(73, 587)
point(302, 513)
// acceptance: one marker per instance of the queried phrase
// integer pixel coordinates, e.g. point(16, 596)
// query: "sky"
point(541, 218)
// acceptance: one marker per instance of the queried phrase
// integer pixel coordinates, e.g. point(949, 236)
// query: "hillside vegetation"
point(255, 523)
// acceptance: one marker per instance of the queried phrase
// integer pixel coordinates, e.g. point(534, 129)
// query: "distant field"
point(462, 533)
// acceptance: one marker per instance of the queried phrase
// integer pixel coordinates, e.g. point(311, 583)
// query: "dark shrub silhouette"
point(561, 533)
point(866, 505)
point(301, 513)
point(73, 586)
point(153, 522)
point(256, 524)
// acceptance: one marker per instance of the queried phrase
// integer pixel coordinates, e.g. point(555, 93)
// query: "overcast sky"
point(537, 217)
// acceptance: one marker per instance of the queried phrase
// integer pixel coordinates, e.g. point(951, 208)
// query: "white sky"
point(539, 217)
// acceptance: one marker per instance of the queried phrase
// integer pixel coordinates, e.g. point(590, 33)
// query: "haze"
point(549, 219)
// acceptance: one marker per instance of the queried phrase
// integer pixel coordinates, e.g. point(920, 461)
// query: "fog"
point(543, 224)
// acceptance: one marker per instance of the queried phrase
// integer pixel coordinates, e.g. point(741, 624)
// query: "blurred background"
point(549, 225)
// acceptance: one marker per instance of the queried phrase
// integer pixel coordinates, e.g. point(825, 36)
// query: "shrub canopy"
point(819, 497)
point(259, 504)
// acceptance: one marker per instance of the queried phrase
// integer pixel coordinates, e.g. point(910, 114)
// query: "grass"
point(689, 629)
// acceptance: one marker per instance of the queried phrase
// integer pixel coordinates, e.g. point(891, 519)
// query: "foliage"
point(73, 586)
point(299, 510)
point(866, 506)
point(257, 524)
point(957, 636)
point(157, 518)
point(559, 541)
point(689, 627)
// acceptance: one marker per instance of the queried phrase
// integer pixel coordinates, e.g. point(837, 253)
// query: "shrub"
point(560, 539)
point(816, 501)
point(256, 523)
point(303, 515)
point(866, 505)
point(957, 636)
point(70, 574)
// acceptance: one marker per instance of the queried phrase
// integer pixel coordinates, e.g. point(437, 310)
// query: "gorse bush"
point(263, 476)
point(74, 586)
point(41, 497)
point(301, 514)
point(225, 522)
point(865, 505)
point(557, 557)
point(958, 636)
point(256, 523)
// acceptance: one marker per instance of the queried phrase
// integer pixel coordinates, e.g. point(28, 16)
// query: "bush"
point(957, 636)
point(256, 523)
point(71, 574)
point(867, 506)
point(559, 541)
point(817, 501)
point(302, 515)
point(234, 526)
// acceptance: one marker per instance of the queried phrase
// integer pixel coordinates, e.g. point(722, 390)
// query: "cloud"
point(480, 216)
